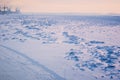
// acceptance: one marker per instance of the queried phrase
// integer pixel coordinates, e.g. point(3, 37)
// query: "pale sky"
point(69, 6)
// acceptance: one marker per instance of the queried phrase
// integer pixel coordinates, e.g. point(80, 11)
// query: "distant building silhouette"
point(8, 10)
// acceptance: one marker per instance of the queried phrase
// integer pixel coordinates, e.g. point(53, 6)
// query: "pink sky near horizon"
point(69, 6)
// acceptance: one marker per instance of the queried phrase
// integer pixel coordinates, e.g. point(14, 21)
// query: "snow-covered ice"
point(17, 66)
point(59, 47)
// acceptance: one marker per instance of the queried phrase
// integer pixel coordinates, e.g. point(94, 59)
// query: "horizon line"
point(70, 13)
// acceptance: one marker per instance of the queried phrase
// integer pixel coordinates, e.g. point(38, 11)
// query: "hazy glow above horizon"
point(72, 6)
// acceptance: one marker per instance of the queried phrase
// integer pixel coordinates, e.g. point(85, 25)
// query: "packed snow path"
point(17, 66)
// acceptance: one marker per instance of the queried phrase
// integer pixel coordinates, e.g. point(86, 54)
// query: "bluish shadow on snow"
point(106, 59)
point(72, 39)
point(96, 42)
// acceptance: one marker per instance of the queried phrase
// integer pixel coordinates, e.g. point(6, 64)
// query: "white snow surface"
point(39, 47)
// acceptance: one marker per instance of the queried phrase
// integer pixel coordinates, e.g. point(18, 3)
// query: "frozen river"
point(59, 47)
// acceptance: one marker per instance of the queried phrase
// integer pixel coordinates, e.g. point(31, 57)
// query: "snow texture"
point(16, 65)
point(59, 47)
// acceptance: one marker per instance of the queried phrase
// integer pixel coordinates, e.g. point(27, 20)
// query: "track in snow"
point(15, 65)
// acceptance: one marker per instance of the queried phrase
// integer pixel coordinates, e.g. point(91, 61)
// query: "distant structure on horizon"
point(6, 7)
point(8, 10)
